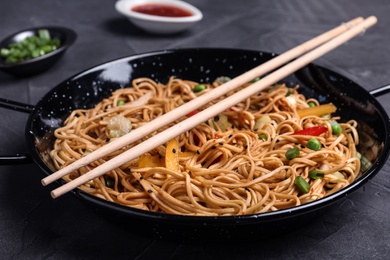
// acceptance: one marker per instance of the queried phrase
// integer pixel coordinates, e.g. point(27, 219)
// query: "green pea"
point(199, 88)
point(336, 128)
point(120, 102)
point(314, 144)
point(311, 104)
point(292, 153)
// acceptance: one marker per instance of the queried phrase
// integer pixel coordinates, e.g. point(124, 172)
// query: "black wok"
point(203, 65)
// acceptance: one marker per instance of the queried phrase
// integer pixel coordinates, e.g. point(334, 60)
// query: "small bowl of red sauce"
point(160, 16)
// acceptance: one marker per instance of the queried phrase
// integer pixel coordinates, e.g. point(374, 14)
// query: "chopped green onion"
point(292, 153)
point(289, 93)
point(44, 34)
point(30, 47)
point(312, 104)
point(315, 174)
point(314, 144)
point(263, 137)
point(302, 184)
point(336, 128)
point(199, 88)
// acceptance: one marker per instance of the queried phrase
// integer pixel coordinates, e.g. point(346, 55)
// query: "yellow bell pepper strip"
point(320, 110)
point(172, 155)
point(148, 160)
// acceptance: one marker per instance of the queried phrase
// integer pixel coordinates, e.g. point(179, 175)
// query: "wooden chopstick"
point(349, 32)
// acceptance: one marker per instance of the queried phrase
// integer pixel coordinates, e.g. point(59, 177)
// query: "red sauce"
point(161, 10)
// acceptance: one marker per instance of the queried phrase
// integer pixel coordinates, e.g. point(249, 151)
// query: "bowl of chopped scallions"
point(34, 50)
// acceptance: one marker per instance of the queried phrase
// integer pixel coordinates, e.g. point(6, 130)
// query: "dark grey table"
point(34, 226)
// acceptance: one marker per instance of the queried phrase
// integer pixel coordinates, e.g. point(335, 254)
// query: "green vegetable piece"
point(31, 47)
point(255, 80)
point(292, 153)
point(311, 104)
point(120, 102)
point(44, 34)
point(223, 123)
point(314, 144)
point(199, 88)
point(315, 174)
point(336, 128)
point(263, 137)
point(4, 52)
point(302, 184)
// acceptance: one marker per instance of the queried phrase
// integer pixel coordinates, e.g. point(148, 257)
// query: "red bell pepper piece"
point(193, 113)
point(312, 131)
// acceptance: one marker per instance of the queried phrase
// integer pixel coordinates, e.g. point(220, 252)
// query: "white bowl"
point(159, 24)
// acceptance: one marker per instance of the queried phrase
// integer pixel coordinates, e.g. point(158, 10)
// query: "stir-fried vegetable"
point(312, 131)
point(193, 113)
point(172, 155)
point(316, 174)
point(292, 153)
point(223, 122)
point(261, 122)
point(31, 47)
point(336, 128)
point(147, 160)
point(338, 175)
point(302, 184)
point(118, 126)
point(263, 137)
point(199, 88)
point(223, 79)
point(314, 144)
point(120, 103)
point(320, 110)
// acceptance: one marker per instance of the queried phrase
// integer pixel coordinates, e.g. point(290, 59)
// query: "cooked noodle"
point(232, 164)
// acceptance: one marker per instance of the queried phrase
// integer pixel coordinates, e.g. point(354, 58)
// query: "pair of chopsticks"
point(313, 48)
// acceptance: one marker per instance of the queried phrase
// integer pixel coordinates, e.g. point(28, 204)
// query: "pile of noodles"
point(229, 171)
